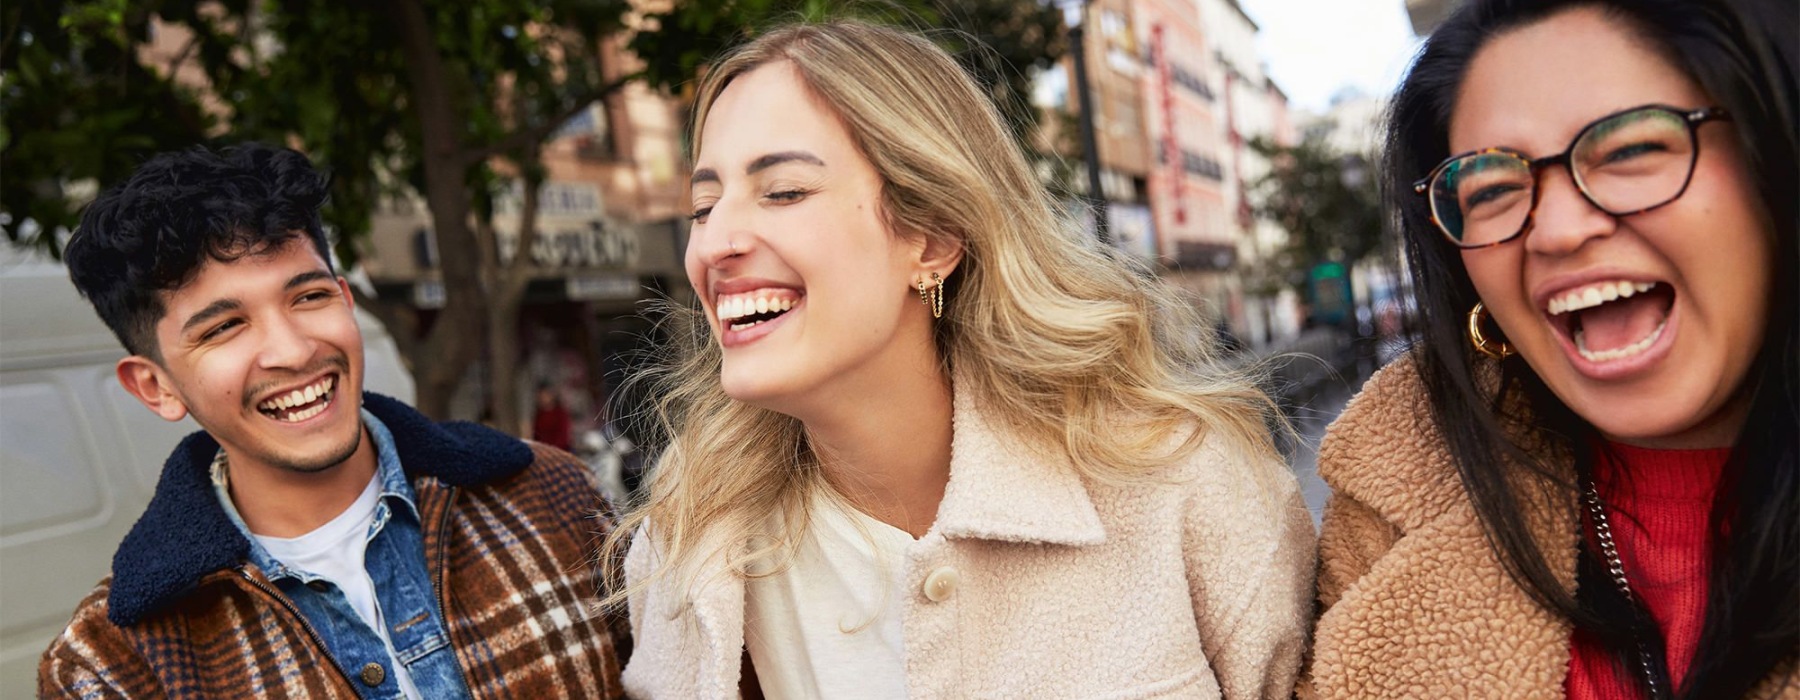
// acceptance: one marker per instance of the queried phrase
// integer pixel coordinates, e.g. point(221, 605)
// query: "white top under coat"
point(829, 626)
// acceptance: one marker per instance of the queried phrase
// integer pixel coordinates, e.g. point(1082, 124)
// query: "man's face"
point(264, 352)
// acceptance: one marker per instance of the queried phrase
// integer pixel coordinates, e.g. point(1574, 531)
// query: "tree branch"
point(7, 41)
point(181, 58)
point(537, 133)
point(398, 317)
point(520, 268)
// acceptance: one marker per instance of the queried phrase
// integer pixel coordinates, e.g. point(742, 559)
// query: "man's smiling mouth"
point(301, 404)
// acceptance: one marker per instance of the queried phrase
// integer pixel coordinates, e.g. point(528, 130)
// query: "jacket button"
point(373, 674)
point(941, 584)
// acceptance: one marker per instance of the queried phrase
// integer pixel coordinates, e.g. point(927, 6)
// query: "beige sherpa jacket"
point(1069, 589)
point(1414, 603)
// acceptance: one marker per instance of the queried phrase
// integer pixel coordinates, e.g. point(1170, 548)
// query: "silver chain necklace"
point(1616, 568)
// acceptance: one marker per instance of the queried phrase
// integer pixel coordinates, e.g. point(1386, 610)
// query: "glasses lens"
point(1635, 161)
point(1483, 198)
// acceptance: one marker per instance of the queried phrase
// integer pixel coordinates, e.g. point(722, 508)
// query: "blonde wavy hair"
point(1054, 336)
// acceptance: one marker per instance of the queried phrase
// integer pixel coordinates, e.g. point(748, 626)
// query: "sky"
point(1314, 48)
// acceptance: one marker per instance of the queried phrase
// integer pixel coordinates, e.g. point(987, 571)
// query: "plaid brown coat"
point(509, 536)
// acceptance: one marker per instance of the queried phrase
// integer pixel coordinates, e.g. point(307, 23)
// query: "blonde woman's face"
point(1663, 366)
point(807, 290)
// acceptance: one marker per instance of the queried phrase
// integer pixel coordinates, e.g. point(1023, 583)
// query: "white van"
point(79, 457)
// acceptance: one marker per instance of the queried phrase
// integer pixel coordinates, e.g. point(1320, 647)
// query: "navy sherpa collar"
point(185, 533)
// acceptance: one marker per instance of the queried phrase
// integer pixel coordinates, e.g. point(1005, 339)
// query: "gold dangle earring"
point(933, 296)
point(1498, 350)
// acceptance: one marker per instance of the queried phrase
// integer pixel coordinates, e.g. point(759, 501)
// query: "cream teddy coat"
point(1414, 602)
point(1199, 588)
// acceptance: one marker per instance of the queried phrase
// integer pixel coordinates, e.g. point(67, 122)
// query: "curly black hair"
point(152, 234)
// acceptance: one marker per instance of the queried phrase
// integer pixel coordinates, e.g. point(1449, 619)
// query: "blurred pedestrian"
point(550, 422)
point(1582, 481)
point(313, 540)
point(929, 439)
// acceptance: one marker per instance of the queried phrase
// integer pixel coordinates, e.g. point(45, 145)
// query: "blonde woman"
point(927, 442)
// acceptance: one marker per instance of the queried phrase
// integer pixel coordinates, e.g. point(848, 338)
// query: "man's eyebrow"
point(212, 311)
point(306, 277)
point(703, 175)
point(223, 306)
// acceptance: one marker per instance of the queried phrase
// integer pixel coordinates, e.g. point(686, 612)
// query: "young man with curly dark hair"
point(314, 541)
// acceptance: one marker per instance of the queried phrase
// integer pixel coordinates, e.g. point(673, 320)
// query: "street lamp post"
point(1074, 12)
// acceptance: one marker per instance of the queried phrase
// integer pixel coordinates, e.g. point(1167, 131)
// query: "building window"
point(1193, 163)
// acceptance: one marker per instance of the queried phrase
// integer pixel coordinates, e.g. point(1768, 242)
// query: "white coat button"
point(941, 584)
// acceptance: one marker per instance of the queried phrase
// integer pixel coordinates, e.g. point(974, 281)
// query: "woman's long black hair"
point(1743, 53)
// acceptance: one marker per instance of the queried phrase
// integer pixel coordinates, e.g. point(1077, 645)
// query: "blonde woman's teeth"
point(1596, 294)
point(737, 306)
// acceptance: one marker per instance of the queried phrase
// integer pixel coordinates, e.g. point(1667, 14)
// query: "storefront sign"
point(593, 245)
point(593, 287)
point(429, 294)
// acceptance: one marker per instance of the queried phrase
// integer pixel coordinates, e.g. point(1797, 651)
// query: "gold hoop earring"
point(933, 296)
point(1498, 350)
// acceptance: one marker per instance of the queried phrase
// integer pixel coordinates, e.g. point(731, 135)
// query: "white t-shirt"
point(830, 625)
point(335, 552)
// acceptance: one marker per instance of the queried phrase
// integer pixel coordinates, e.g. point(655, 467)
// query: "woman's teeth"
point(1618, 353)
point(280, 407)
point(736, 311)
point(1596, 294)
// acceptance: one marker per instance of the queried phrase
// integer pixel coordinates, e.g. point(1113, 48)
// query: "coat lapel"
point(1437, 614)
point(1002, 489)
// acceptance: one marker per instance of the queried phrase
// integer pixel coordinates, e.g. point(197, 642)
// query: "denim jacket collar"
point(396, 497)
point(185, 534)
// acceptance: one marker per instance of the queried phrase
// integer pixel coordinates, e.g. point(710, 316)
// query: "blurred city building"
point(610, 231)
point(1255, 108)
point(1351, 125)
point(1178, 94)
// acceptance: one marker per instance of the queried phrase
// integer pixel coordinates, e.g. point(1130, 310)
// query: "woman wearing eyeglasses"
point(1582, 480)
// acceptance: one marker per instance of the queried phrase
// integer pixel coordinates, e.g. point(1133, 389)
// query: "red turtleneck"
point(1657, 502)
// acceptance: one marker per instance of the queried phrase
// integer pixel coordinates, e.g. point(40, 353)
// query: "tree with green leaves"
point(437, 97)
point(1325, 199)
point(79, 108)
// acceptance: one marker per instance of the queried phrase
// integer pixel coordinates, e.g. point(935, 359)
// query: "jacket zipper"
point(443, 569)
point(310, 632)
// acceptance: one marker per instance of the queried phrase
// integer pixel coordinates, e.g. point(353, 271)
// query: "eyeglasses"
point(1623, 163)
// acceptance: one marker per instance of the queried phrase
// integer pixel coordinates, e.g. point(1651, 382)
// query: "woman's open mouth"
point(743, 311)
point(1612, 321)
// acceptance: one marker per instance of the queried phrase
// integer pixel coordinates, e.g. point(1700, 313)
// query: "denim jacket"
point(396, 563)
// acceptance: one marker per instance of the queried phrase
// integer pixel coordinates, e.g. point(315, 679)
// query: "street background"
point(509, 191)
